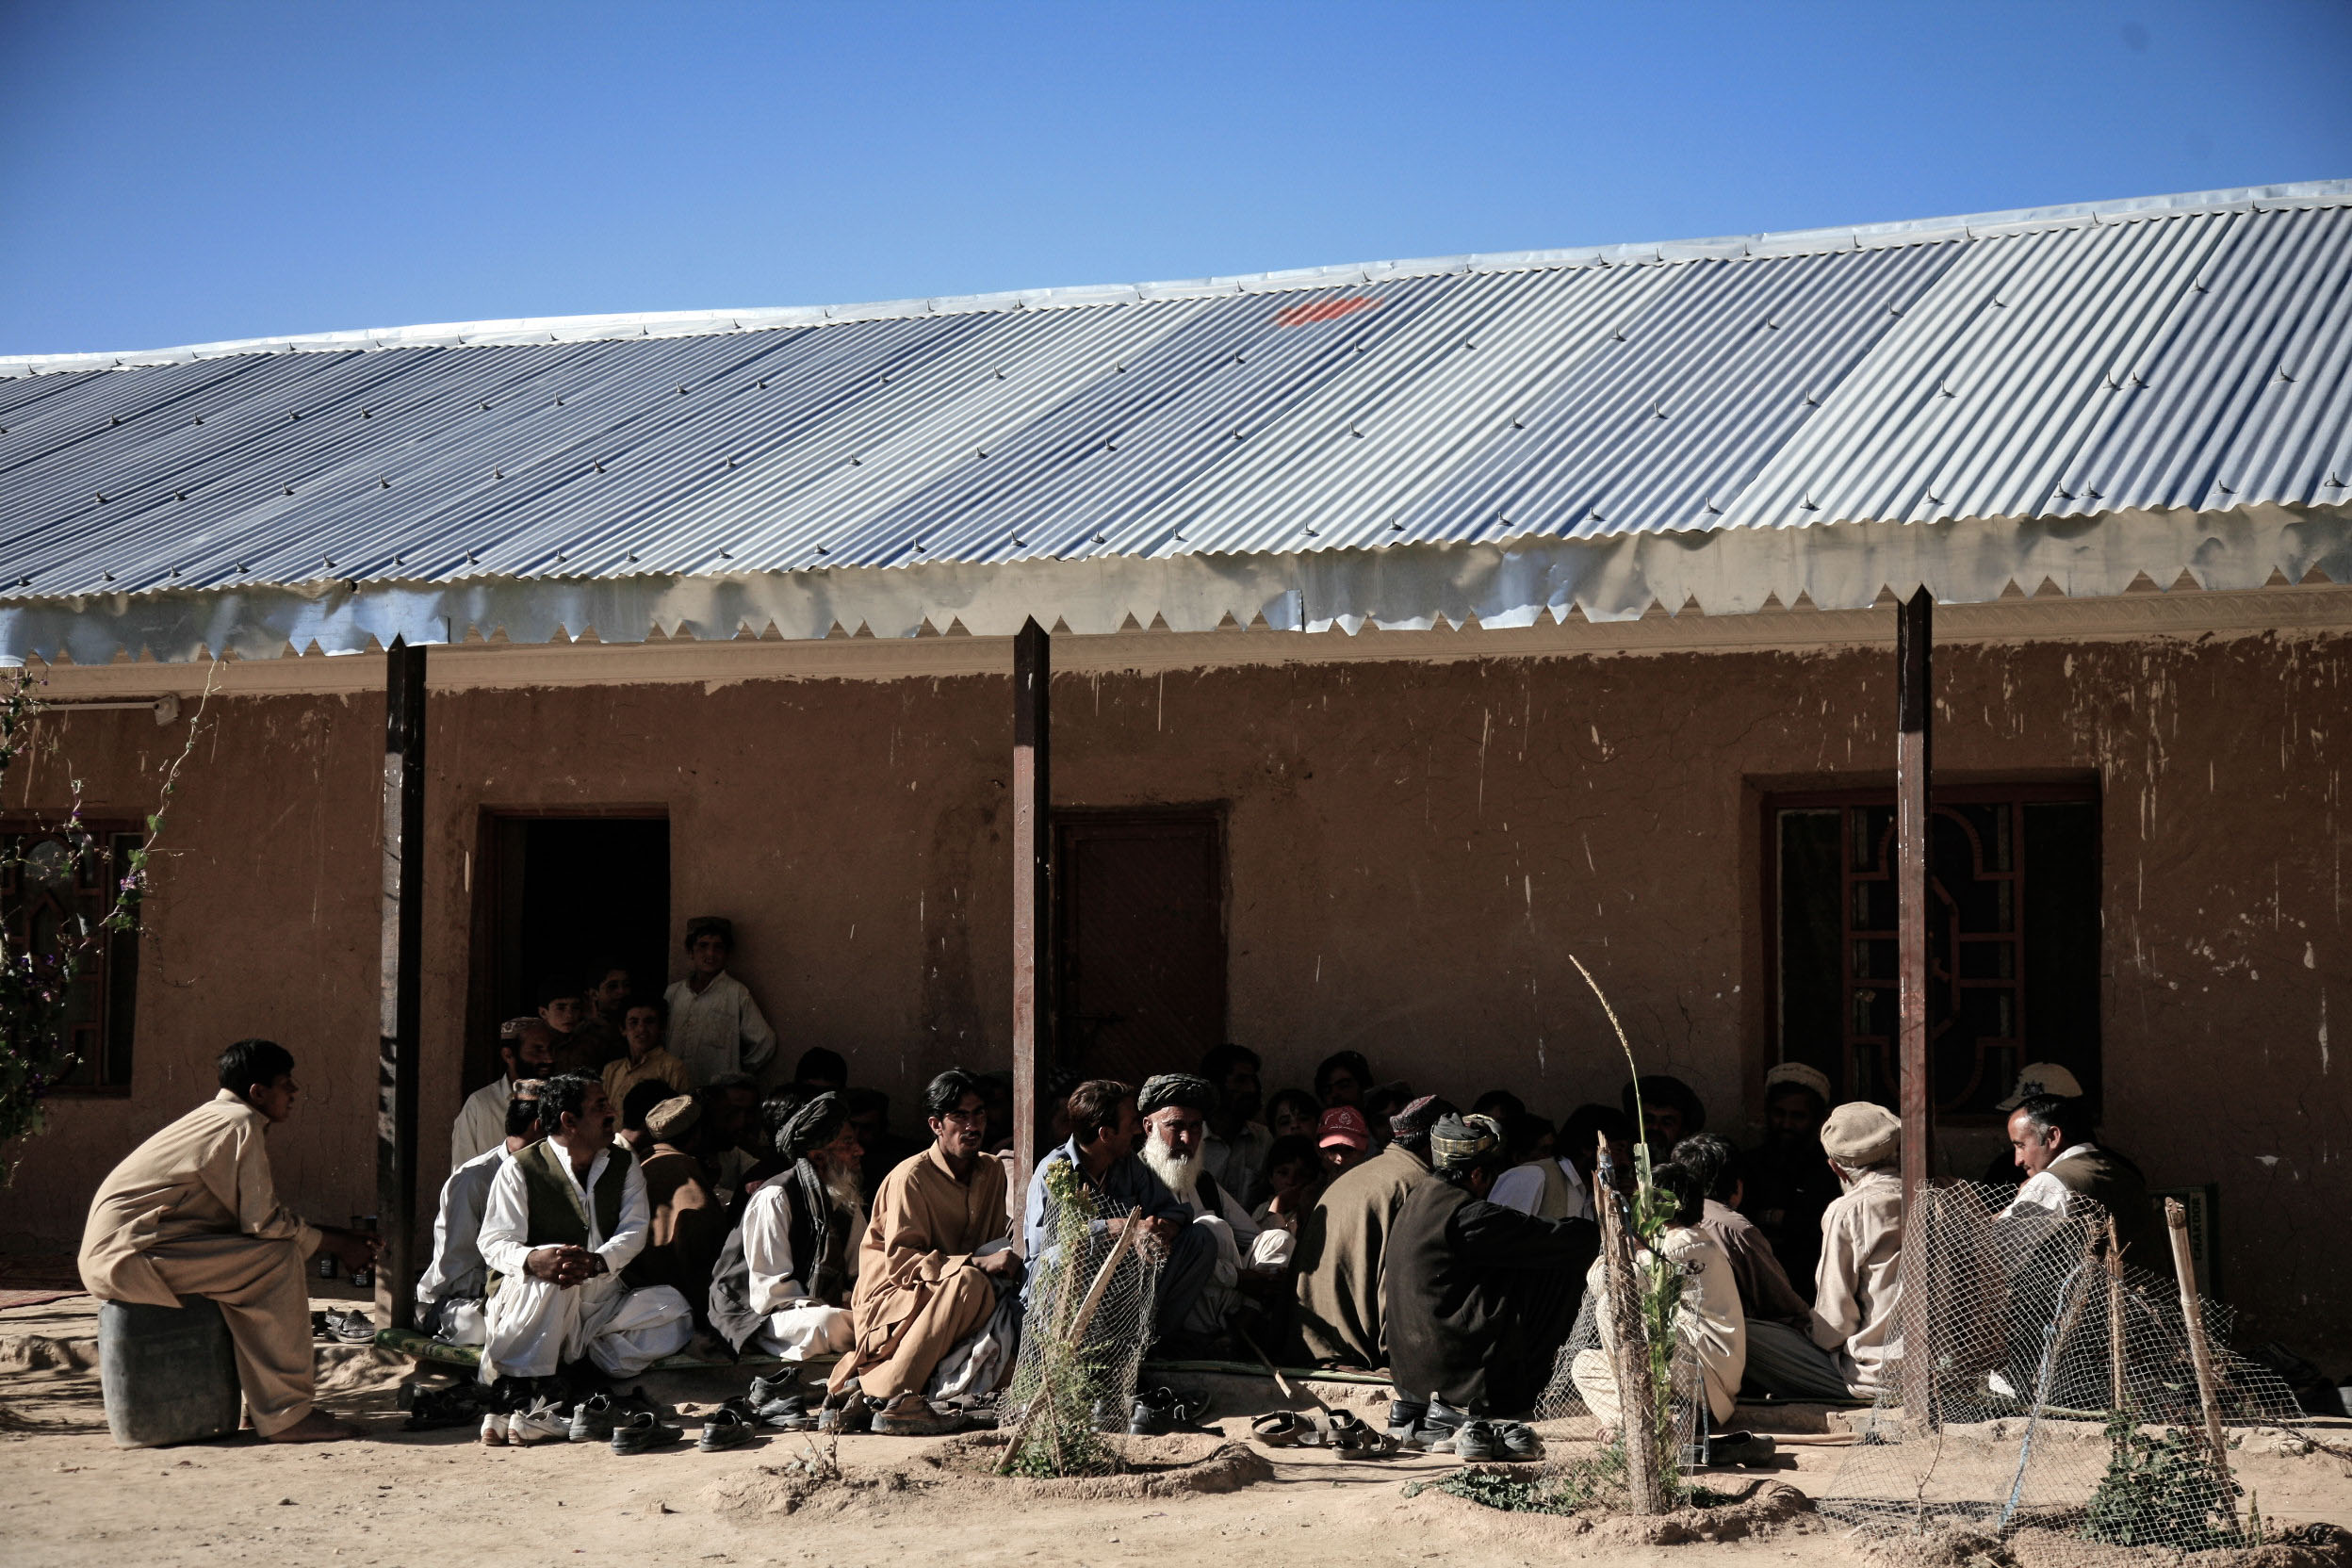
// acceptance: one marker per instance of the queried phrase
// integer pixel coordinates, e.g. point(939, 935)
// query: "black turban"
point(812, 1126)
point(1190, 1091)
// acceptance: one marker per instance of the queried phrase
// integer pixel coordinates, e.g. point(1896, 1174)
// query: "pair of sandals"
point(1340, 1432)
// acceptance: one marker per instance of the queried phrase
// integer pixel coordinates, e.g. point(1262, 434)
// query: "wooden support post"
point(399, 993)
point(1914, 757)
point(1032, 887)
point(2200, 1356)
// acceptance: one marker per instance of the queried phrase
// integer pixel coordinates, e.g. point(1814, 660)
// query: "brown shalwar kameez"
point(918, 1293)
point(193, 1211)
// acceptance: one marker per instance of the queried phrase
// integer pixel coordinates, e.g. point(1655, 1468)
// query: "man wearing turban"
point(1474, 1291)
point(785, 1280)
point(1176, 1107)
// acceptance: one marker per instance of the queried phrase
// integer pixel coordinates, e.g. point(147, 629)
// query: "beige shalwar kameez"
point(919, 1294)
point(193, 1212)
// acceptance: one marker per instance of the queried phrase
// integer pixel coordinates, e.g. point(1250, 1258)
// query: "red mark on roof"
point(1321, 310)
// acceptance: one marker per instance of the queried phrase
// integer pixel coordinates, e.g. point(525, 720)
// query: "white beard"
point(1182, 1176)
point(840, 1184)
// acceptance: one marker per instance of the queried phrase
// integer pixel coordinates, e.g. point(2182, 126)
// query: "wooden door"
point(1140, 914)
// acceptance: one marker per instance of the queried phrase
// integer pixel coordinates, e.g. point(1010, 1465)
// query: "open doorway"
point(565, 894)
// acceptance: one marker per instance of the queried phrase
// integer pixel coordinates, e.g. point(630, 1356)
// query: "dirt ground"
point(398, 1499)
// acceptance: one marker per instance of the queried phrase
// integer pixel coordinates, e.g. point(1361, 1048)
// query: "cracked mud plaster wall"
point(1413, 850)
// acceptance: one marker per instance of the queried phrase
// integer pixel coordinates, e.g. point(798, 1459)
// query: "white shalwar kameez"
point(800, 1327)
point(535, 1326)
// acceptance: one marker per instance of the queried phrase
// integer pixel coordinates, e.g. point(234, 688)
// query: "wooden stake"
point(1637, 1395)
point(2193, 1318)
point(1077, 1327)
point(2117, 1397)
point(1033, 886)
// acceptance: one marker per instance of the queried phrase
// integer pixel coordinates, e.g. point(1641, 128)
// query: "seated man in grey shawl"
point(454, 1287)
point(784, 1280)
point(1175, 1108)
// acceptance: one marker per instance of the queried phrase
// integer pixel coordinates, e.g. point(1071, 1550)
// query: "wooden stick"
point(2119, 1397)
point(1273, 1371)
point(1077, 1328)
point(1637, 1397)
point(2193, 1316)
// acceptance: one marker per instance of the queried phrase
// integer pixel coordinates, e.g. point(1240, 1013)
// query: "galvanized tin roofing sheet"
point(2190, 352)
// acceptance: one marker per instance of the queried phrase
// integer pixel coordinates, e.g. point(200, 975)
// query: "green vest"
point(555, 1217)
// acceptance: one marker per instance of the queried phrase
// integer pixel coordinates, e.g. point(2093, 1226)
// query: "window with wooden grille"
point(48, 888)
point(2013, 939)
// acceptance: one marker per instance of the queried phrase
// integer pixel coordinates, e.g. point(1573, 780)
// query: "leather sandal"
point(1283, 1429)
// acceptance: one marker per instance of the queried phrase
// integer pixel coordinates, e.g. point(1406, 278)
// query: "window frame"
point(110, 832)
point(1771, 803)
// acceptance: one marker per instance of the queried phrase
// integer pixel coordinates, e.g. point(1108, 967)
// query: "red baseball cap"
point(1343, 1124)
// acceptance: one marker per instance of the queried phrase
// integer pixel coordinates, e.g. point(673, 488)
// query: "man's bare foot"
point(317, 1427)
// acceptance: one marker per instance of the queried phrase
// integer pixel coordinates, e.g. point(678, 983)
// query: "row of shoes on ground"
point(1438, 1428)
point(1340, 1430)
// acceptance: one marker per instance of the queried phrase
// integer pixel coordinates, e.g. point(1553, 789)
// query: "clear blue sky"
point(188, 171)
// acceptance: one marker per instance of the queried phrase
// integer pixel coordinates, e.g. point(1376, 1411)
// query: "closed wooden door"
point(1140, 909)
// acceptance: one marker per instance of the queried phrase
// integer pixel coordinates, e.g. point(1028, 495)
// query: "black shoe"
point(644, 1430)
point(1405, 1417)
point(1158, 1411)
point(1729, 1450)
point(844, 1412)
point(728, 1427)
point(1476, 1443)
point(1518, 1440)
point(594, 1418)
point(767, 1391)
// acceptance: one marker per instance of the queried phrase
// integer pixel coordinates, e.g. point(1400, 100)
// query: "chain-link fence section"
point(1088, 1319)
point(2060, 1404)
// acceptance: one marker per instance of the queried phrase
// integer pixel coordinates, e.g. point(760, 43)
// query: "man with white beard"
point(783, 1284)
point(1176, 1107)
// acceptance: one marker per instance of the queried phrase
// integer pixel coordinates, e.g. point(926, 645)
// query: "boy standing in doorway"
point(715, 1027)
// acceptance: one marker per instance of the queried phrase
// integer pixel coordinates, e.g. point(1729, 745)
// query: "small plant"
point(39, 970)
point(2163, 1491)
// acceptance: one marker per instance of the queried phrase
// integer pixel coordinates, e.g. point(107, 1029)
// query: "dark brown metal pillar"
point(1913, 748)
point(399, 996)
point(1033, 886)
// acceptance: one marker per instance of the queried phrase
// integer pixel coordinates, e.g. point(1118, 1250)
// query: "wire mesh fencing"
point(1088, 1319)
point(2059, 1405)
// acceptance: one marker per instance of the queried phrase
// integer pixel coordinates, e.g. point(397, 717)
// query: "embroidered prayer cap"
point(709, 925)
point(1861, 1133)
point(673, 1119)
point(512, 1028)
point(2042, 1078)
point(812, 1126)
point(1798, 1075)
point(1185, 1090)
point(1343, 1124)
point(1458, 1140)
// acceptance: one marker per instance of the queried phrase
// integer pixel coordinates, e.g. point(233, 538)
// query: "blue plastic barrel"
point(169, 1375)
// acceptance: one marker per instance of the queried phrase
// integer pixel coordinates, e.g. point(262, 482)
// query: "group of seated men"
point(1366, 1227)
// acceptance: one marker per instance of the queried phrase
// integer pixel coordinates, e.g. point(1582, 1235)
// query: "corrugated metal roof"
point(2177, 352)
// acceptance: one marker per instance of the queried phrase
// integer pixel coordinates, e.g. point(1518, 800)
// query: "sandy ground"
point(397, 1499)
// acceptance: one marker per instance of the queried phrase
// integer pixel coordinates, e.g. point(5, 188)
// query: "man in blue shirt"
point(1105, 1134)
